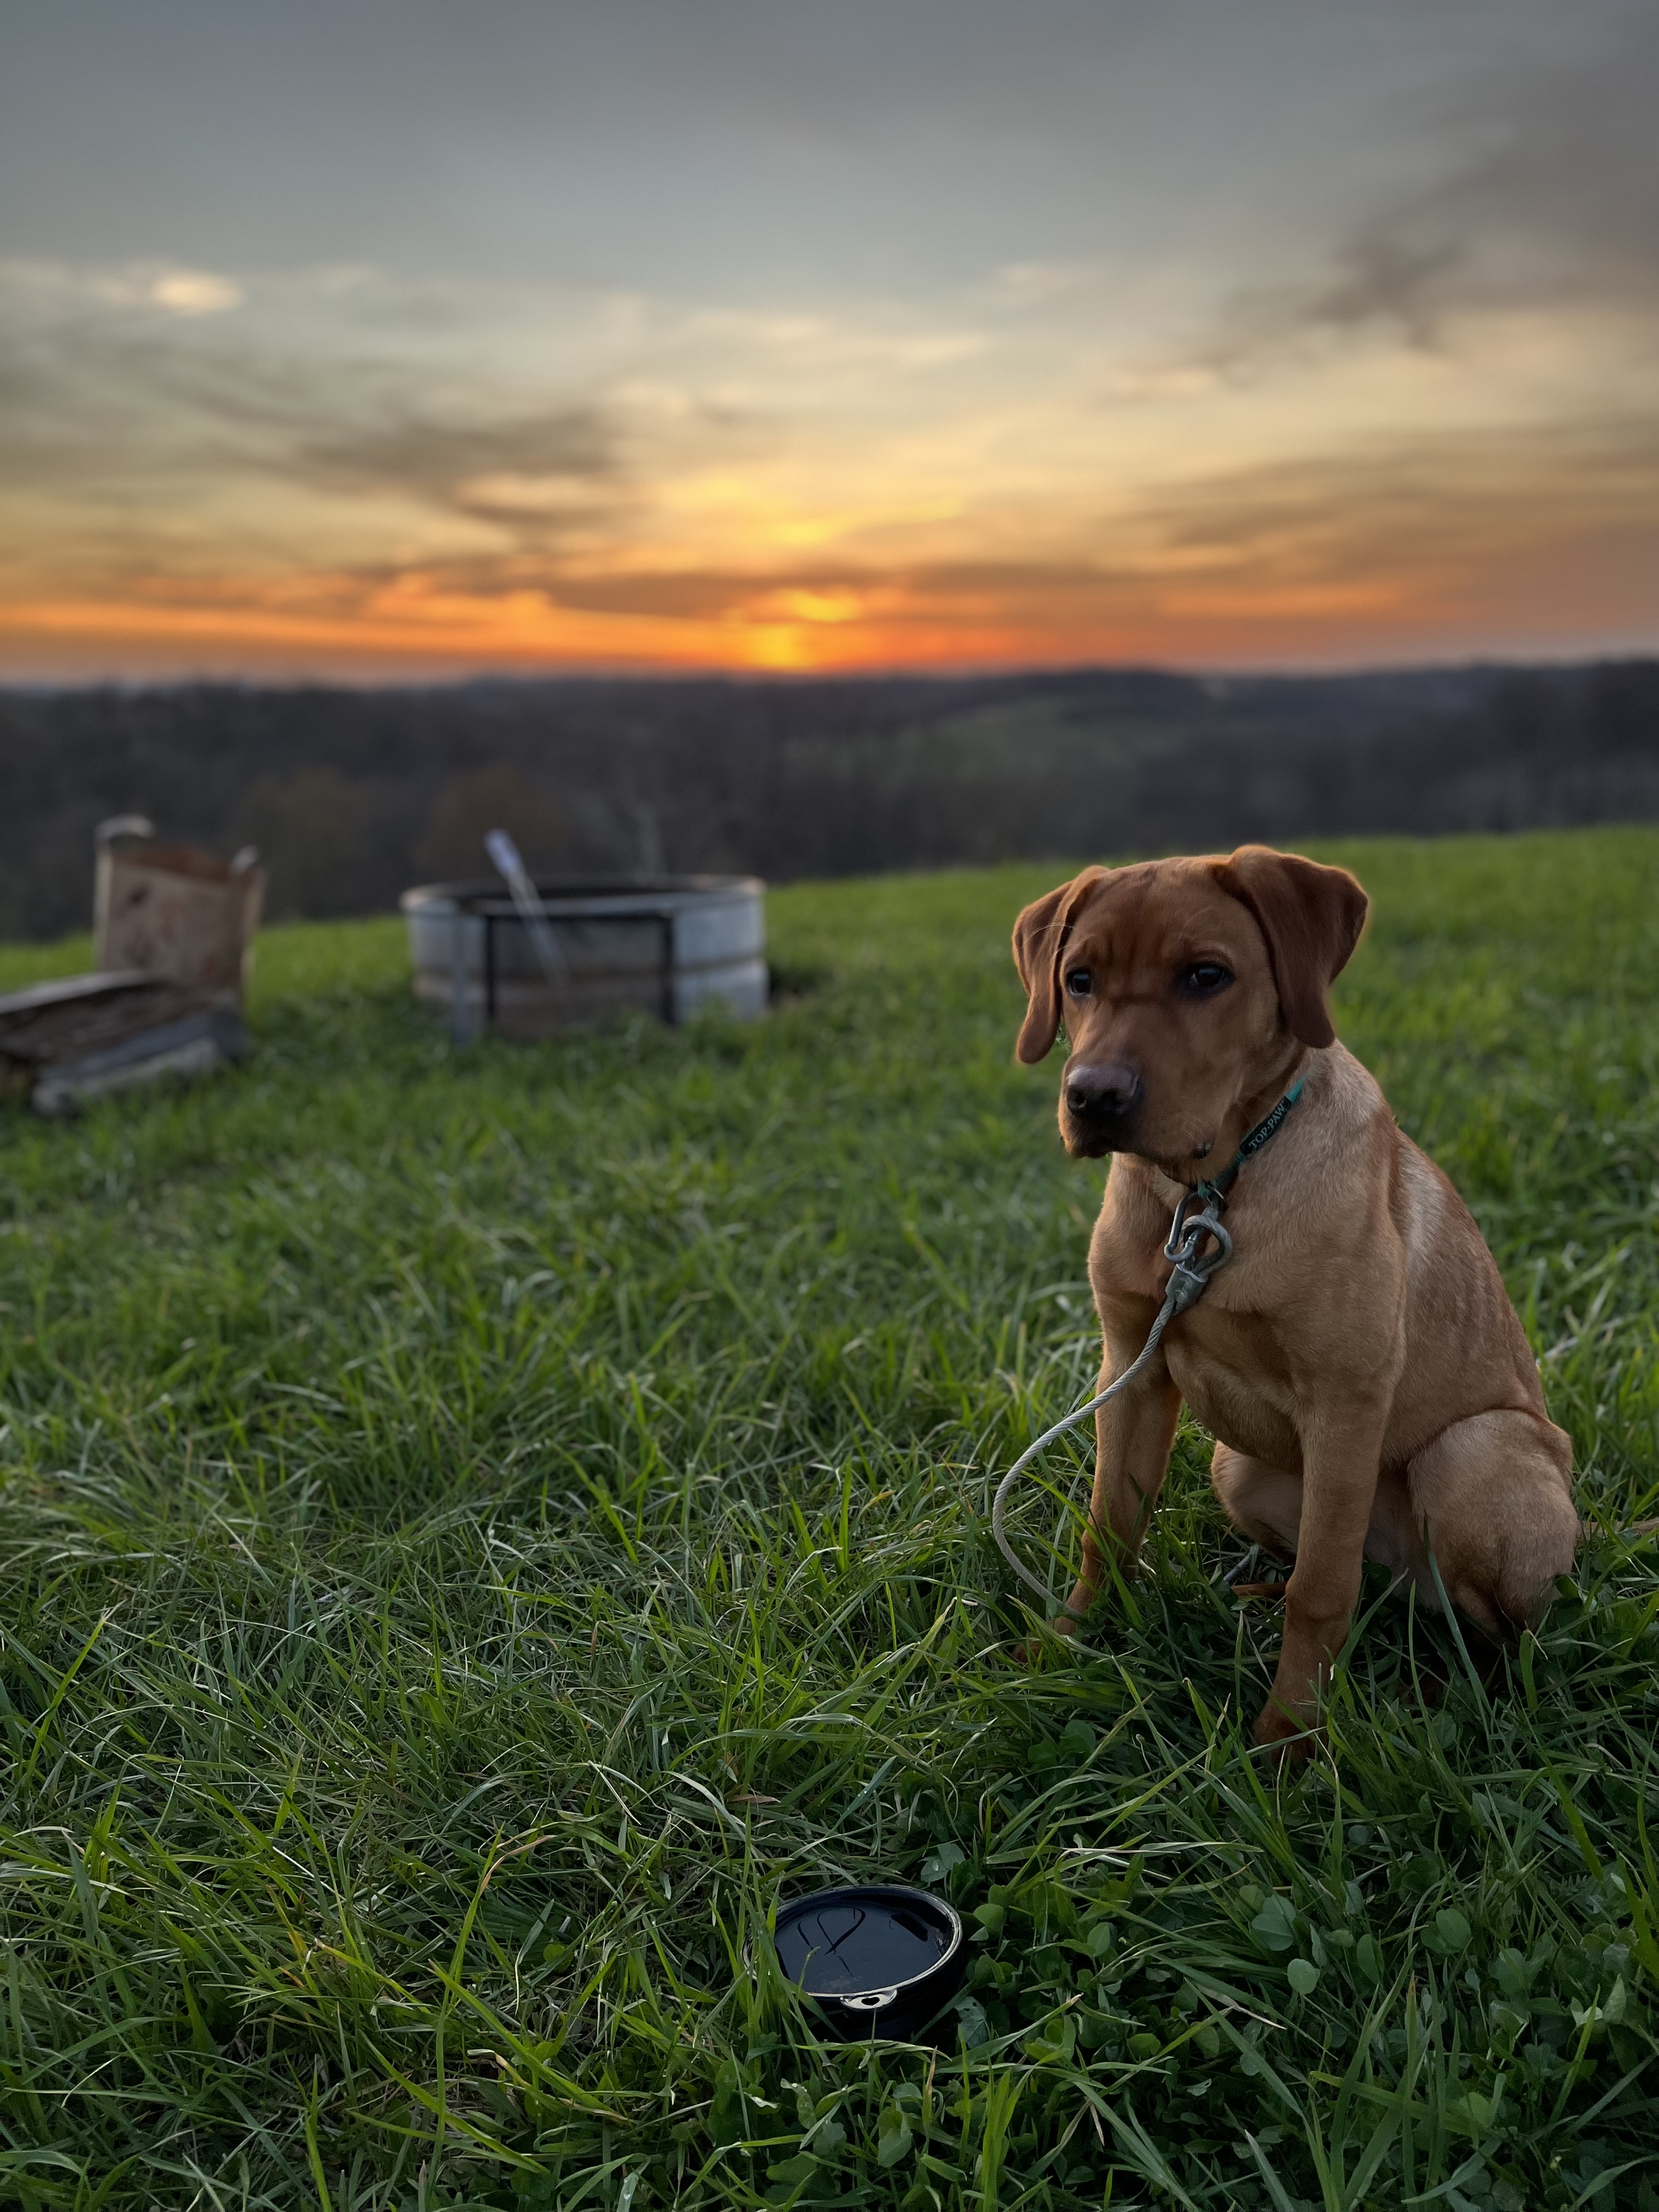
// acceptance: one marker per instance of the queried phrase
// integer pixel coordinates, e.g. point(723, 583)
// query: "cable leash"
point(1197, 1221)
point(1190, 1278)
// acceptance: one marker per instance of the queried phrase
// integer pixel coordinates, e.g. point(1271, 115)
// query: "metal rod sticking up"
point(504, 856)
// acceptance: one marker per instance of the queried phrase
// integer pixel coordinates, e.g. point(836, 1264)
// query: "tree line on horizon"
point(353, 795)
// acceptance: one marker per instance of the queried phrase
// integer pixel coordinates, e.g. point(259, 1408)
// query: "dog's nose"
point(1103, 1093)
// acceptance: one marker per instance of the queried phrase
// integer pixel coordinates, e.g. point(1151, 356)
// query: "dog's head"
point(1183, 986)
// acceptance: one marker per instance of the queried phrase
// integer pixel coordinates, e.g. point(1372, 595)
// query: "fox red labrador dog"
point(1368, 1383)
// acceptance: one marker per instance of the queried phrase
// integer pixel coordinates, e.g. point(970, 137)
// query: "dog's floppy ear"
point(1039, 936)
point(1311, 918)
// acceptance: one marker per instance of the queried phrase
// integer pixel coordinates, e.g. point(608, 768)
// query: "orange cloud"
point(195, 504)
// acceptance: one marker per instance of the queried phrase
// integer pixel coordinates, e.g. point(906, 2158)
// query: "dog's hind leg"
point(1493, 1495)
point(1263, 1502)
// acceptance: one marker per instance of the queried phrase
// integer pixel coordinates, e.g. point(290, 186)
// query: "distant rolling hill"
point(353, 795)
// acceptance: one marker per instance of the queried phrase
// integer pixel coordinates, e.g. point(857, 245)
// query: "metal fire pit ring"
point(662, 945)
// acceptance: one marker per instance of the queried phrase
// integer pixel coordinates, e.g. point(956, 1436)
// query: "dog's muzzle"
point(1101, 1099)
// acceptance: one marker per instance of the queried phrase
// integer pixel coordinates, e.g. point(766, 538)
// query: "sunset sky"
point(393, 339)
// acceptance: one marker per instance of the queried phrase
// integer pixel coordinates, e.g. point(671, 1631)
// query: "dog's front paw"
point(1026, 1654)
point(1285, 1735)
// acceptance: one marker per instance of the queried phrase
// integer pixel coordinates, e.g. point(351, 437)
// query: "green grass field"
point(476, 1532)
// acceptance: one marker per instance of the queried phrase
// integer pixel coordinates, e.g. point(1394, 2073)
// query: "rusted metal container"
point(174, 910)
point(663, 945)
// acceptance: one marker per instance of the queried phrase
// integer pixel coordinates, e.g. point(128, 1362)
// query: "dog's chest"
point(1229, 1374)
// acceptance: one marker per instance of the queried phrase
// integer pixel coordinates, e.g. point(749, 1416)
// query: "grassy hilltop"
point(475, 1531)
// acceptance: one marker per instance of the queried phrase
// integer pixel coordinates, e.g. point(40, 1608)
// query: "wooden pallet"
point(66, 1042)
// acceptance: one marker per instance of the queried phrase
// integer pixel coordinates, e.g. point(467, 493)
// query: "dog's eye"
point(1079, 982)
point(1204, 978)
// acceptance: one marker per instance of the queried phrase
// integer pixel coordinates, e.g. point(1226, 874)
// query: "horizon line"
point(659, 674)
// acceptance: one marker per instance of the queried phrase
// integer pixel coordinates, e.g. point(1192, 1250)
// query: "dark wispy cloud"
point(100, 408)
point(1543, 193)
point(1567, 179)
point(524, 472)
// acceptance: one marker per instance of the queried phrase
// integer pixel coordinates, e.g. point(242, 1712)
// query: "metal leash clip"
point(1190, 1275)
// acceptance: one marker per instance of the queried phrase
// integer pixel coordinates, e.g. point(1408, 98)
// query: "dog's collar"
point(1213, 1189)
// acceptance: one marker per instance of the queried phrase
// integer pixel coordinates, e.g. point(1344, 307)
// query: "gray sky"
point(373, 336)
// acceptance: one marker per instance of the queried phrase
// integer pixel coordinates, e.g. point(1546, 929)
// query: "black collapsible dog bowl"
point(880, 1960)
